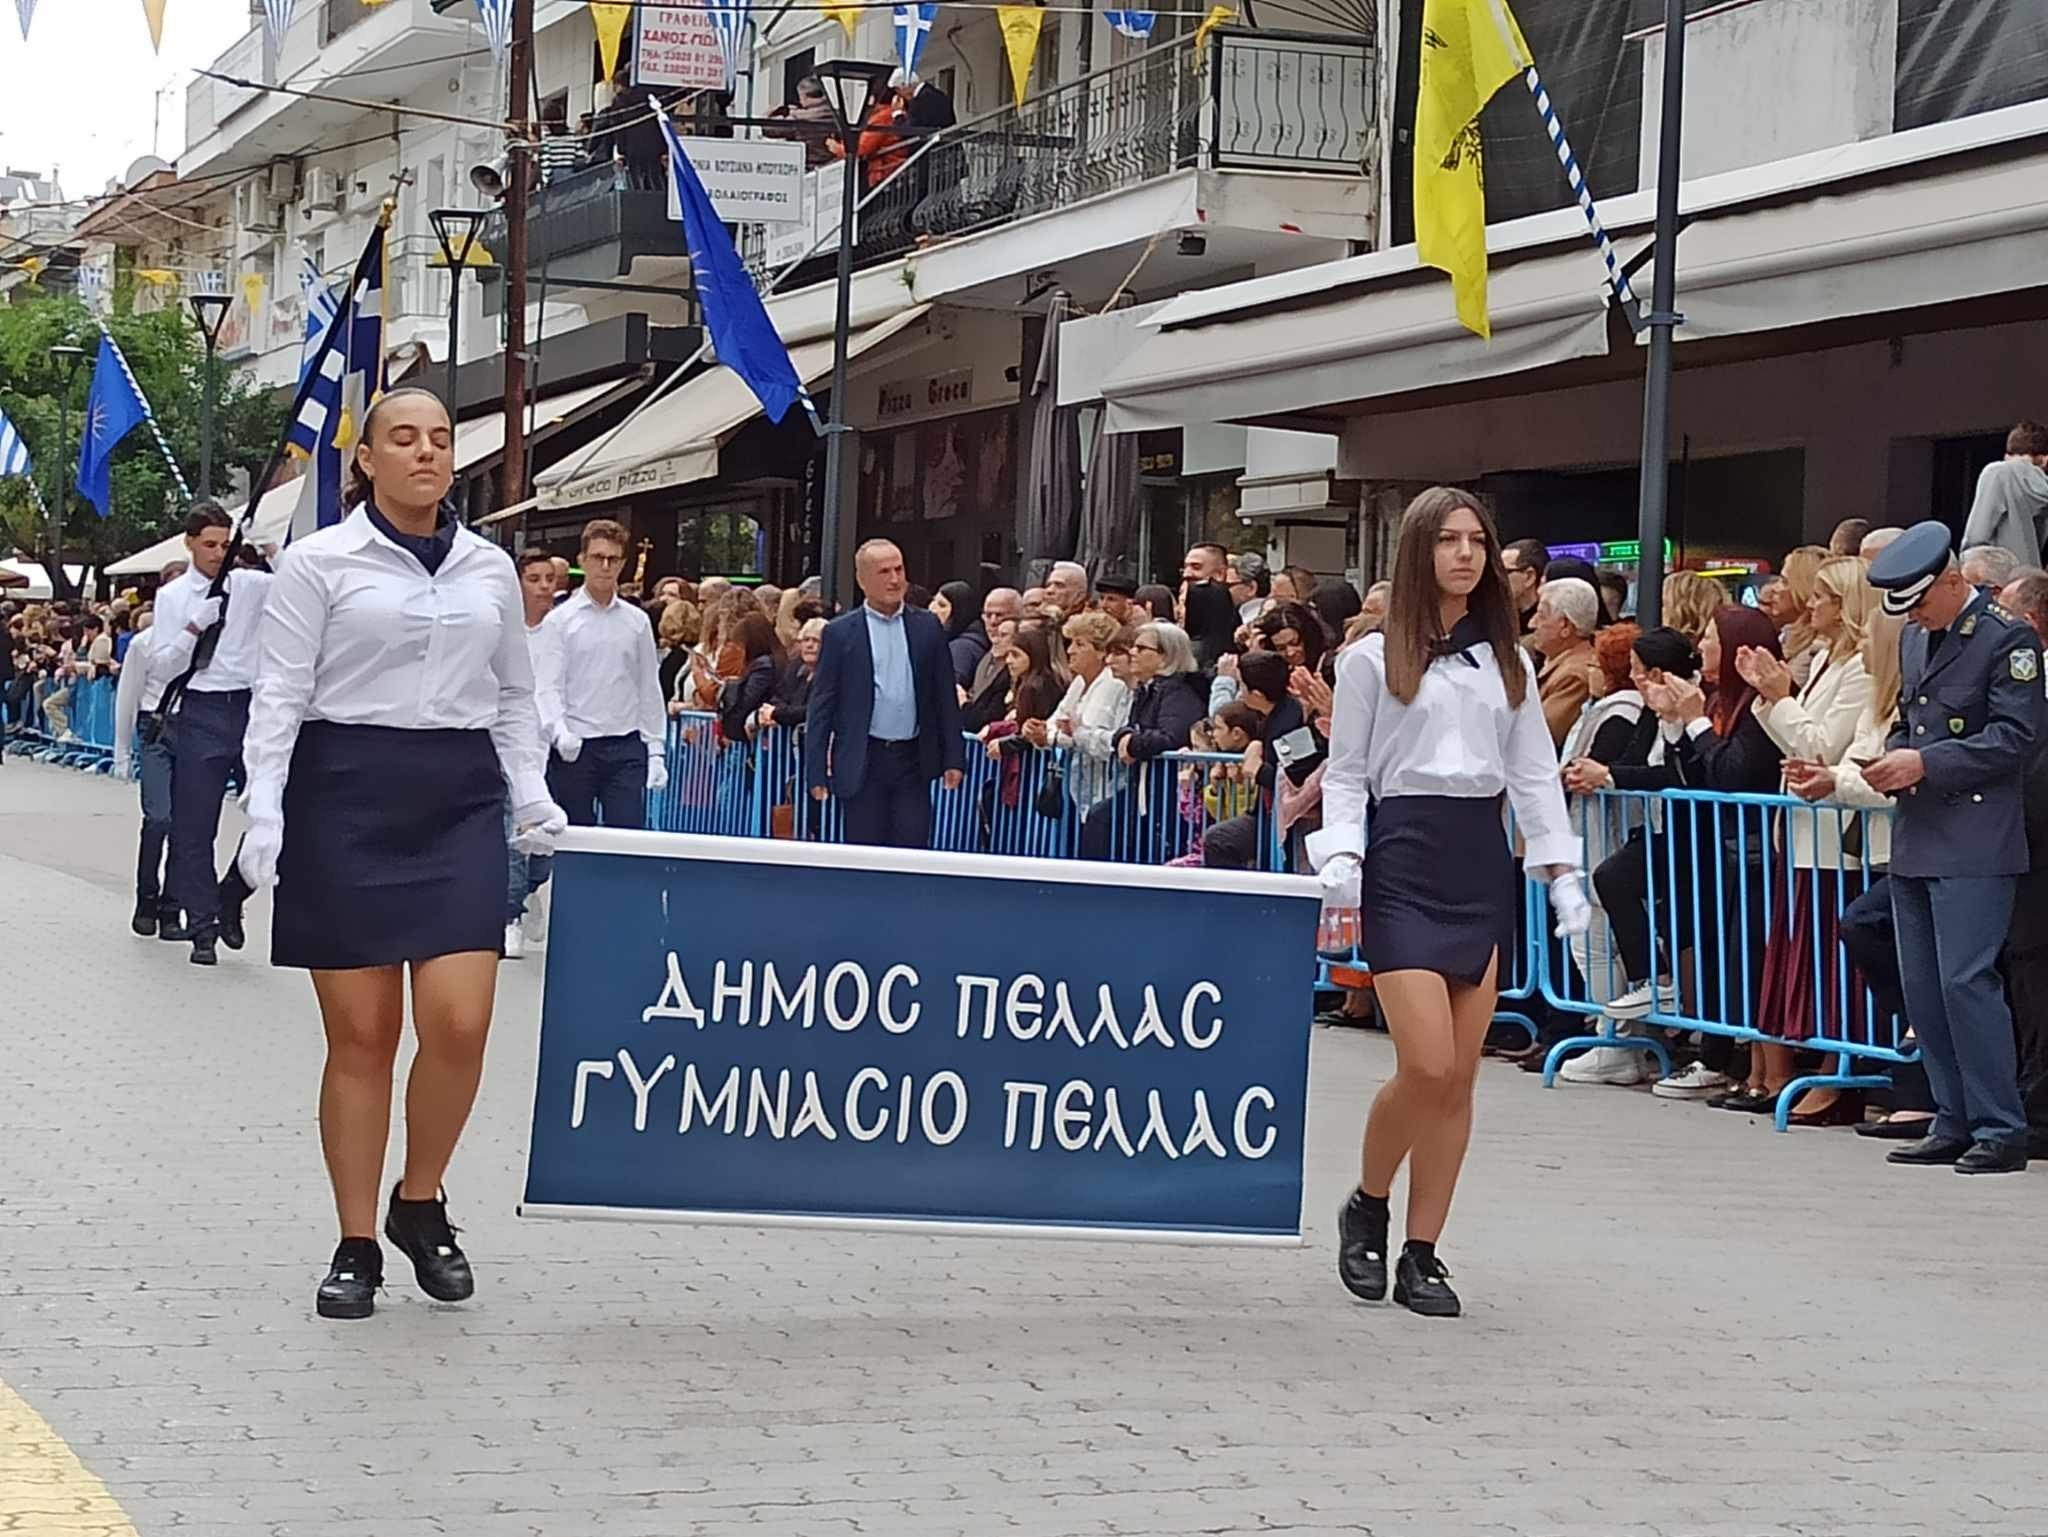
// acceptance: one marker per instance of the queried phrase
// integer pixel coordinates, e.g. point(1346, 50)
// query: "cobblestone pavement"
point(1678, 1322)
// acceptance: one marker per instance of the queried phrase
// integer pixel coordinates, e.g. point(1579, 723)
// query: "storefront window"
point(722, 538)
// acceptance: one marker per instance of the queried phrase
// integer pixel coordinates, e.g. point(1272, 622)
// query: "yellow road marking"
point(43, 1485)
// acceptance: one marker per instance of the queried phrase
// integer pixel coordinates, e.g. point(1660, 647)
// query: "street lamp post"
point(1663, 319)
point(209, 312)
point(850, 86)
point(457, 230)
point(68, 358)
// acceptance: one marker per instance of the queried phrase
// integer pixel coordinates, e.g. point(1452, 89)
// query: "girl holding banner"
point(393, 708)
point(1436, 721)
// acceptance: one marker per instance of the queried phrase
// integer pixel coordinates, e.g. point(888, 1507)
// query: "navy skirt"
point(1438, 886)
point(394, 848)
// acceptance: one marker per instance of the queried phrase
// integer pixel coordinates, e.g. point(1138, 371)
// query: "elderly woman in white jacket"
point(1097, 703)
point(1806, 991)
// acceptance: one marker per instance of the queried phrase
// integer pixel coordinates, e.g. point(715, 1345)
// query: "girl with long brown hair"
point(1435, 726)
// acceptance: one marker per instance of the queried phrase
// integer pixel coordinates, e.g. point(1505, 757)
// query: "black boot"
point(204, 952)
point(350, 1290)
point(1362, 1247)
point(421, 1231)
point(233, 893)
point(144, 921)
point(1419, 1283)
point(170, 923)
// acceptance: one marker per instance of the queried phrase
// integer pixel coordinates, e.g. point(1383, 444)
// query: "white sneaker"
point(1639, 1001)
point(534, 923)
point(515, 942)
point(1605, 1064)
point(1697, 1082)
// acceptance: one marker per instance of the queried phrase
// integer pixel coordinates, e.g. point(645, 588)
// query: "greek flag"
point(277, 15)
point(496, 16)
point(320, 308)
point(345, 379)
point(1136, 24)
point(913, 25)
point(13, 452)
point(729, 19)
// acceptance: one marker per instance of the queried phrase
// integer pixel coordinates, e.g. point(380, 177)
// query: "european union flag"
point(741, 331)
point(344, 379)
point(114, 409)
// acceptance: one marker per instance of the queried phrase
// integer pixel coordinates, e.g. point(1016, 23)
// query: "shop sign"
point(936, 395)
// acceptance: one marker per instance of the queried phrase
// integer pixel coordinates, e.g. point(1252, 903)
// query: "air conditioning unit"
point(284, 181)
point(253, 208)
point(323, 189)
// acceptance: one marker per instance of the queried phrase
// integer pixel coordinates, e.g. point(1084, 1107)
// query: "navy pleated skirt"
point(1438, 886)
point(394, 848)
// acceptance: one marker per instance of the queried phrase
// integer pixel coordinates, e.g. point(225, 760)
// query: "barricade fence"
point(1730, 906)
point(69, 723)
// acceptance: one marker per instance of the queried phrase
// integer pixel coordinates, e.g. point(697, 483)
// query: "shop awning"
point(676, 440)
point(1393, 336)
point(482, 441)
point(273, 520)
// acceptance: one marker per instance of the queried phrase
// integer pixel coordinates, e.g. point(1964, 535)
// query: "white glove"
point(567, 746)
point(538, 826)
point(257, 857)
point(1339, 877)
point(204, 616)
point(1568, 901)
point(657, 772)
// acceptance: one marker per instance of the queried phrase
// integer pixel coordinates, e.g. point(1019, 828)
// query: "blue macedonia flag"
point(742, 333)
point(114, 409)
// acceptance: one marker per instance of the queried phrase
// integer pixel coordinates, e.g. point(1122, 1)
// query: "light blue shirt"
point(895, 713)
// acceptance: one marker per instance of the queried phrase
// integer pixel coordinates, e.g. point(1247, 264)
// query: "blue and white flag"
point(277, 18)
point(496, 16)
point(13, 451)
point(1136, 24)
point(913, 26)
point(320, 307)
point(337, 392)
point(114, 409)
point(25, 9)
point(729, 18)
point(741, 332)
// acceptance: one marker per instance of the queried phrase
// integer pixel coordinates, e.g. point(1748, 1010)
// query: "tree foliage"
point(168, 357)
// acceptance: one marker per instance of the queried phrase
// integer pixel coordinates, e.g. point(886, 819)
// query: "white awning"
point(676, 440)
point(273, 520)
point(482, 440)
point(1394, 337)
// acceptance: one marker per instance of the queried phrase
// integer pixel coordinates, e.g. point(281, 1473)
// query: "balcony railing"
point(1276, 101)
point(597, 214)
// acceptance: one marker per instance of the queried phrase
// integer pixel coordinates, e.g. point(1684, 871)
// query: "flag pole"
point(1662, 320)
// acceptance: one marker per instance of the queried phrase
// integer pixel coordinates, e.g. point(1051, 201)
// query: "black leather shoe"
point(1993, 1158)
point(144, 921)
point(1911, 1129)
point(1362, 1249)
point(350, 1290)
point(232, 934)
point(170, 926)
point(1930, 1150)
point(1420, 1286)
point(203, 951)
point(421, 1231)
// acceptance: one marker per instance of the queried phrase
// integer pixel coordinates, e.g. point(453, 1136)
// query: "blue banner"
point(738, 1030)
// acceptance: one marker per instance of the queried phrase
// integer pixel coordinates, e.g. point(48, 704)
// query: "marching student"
point(527, 873)
point(599, 694)
point(210, 717)
point(140, 748)
point(1436, 722)
point(393, 721)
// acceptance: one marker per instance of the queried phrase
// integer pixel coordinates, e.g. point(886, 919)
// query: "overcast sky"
point(81, 93)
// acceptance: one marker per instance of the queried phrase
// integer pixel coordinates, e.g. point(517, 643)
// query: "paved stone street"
point(1677, 1321)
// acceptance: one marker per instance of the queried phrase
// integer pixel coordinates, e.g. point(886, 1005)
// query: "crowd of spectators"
point(51, 647)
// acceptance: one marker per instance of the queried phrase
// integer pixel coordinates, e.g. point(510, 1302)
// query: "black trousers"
point(892, 809)
point(206, 756)
point(2026, 984)
point(1867, 935)
point(607, 783)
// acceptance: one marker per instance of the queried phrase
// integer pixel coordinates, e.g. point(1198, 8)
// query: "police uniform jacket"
point(1972, 708)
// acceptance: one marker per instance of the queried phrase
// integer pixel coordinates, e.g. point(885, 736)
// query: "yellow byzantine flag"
point(846, 14)
point(1470, 49)
point(1020, 25)
point(154, 11)
point(610, 18)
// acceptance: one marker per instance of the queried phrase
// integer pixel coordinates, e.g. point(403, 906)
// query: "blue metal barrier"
point(86, 740)
point(1723, 876)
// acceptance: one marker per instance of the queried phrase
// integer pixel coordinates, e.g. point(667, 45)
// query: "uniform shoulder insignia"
point(1999, 611)
point(2026, 664)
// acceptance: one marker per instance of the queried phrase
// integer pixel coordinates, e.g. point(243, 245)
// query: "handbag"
point(1052, 792)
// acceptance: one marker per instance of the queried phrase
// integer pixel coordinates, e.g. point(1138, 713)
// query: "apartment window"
point(795, 68)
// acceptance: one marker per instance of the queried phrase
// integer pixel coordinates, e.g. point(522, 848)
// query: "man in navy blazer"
point(884, 719)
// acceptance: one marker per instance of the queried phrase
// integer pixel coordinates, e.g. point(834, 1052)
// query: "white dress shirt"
point(1458, 738)
point(540, 650)
point(234, 659)
point(601, 676)
point(358, 633)
point(138, 691)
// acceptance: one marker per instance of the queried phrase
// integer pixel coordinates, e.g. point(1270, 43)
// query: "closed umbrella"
point(1052, 485)
point(1109, 508)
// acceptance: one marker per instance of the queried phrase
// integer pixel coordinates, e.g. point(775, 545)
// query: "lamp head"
point(457, 230)
point(209, 313)
point(851, 86)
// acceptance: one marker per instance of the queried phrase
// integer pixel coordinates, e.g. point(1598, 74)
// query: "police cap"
point(1904, 569)
point(1118, 585)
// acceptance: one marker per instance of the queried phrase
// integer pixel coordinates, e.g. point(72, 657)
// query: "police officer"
point(1970, 706)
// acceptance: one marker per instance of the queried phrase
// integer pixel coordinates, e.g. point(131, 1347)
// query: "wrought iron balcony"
point(592, 224)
